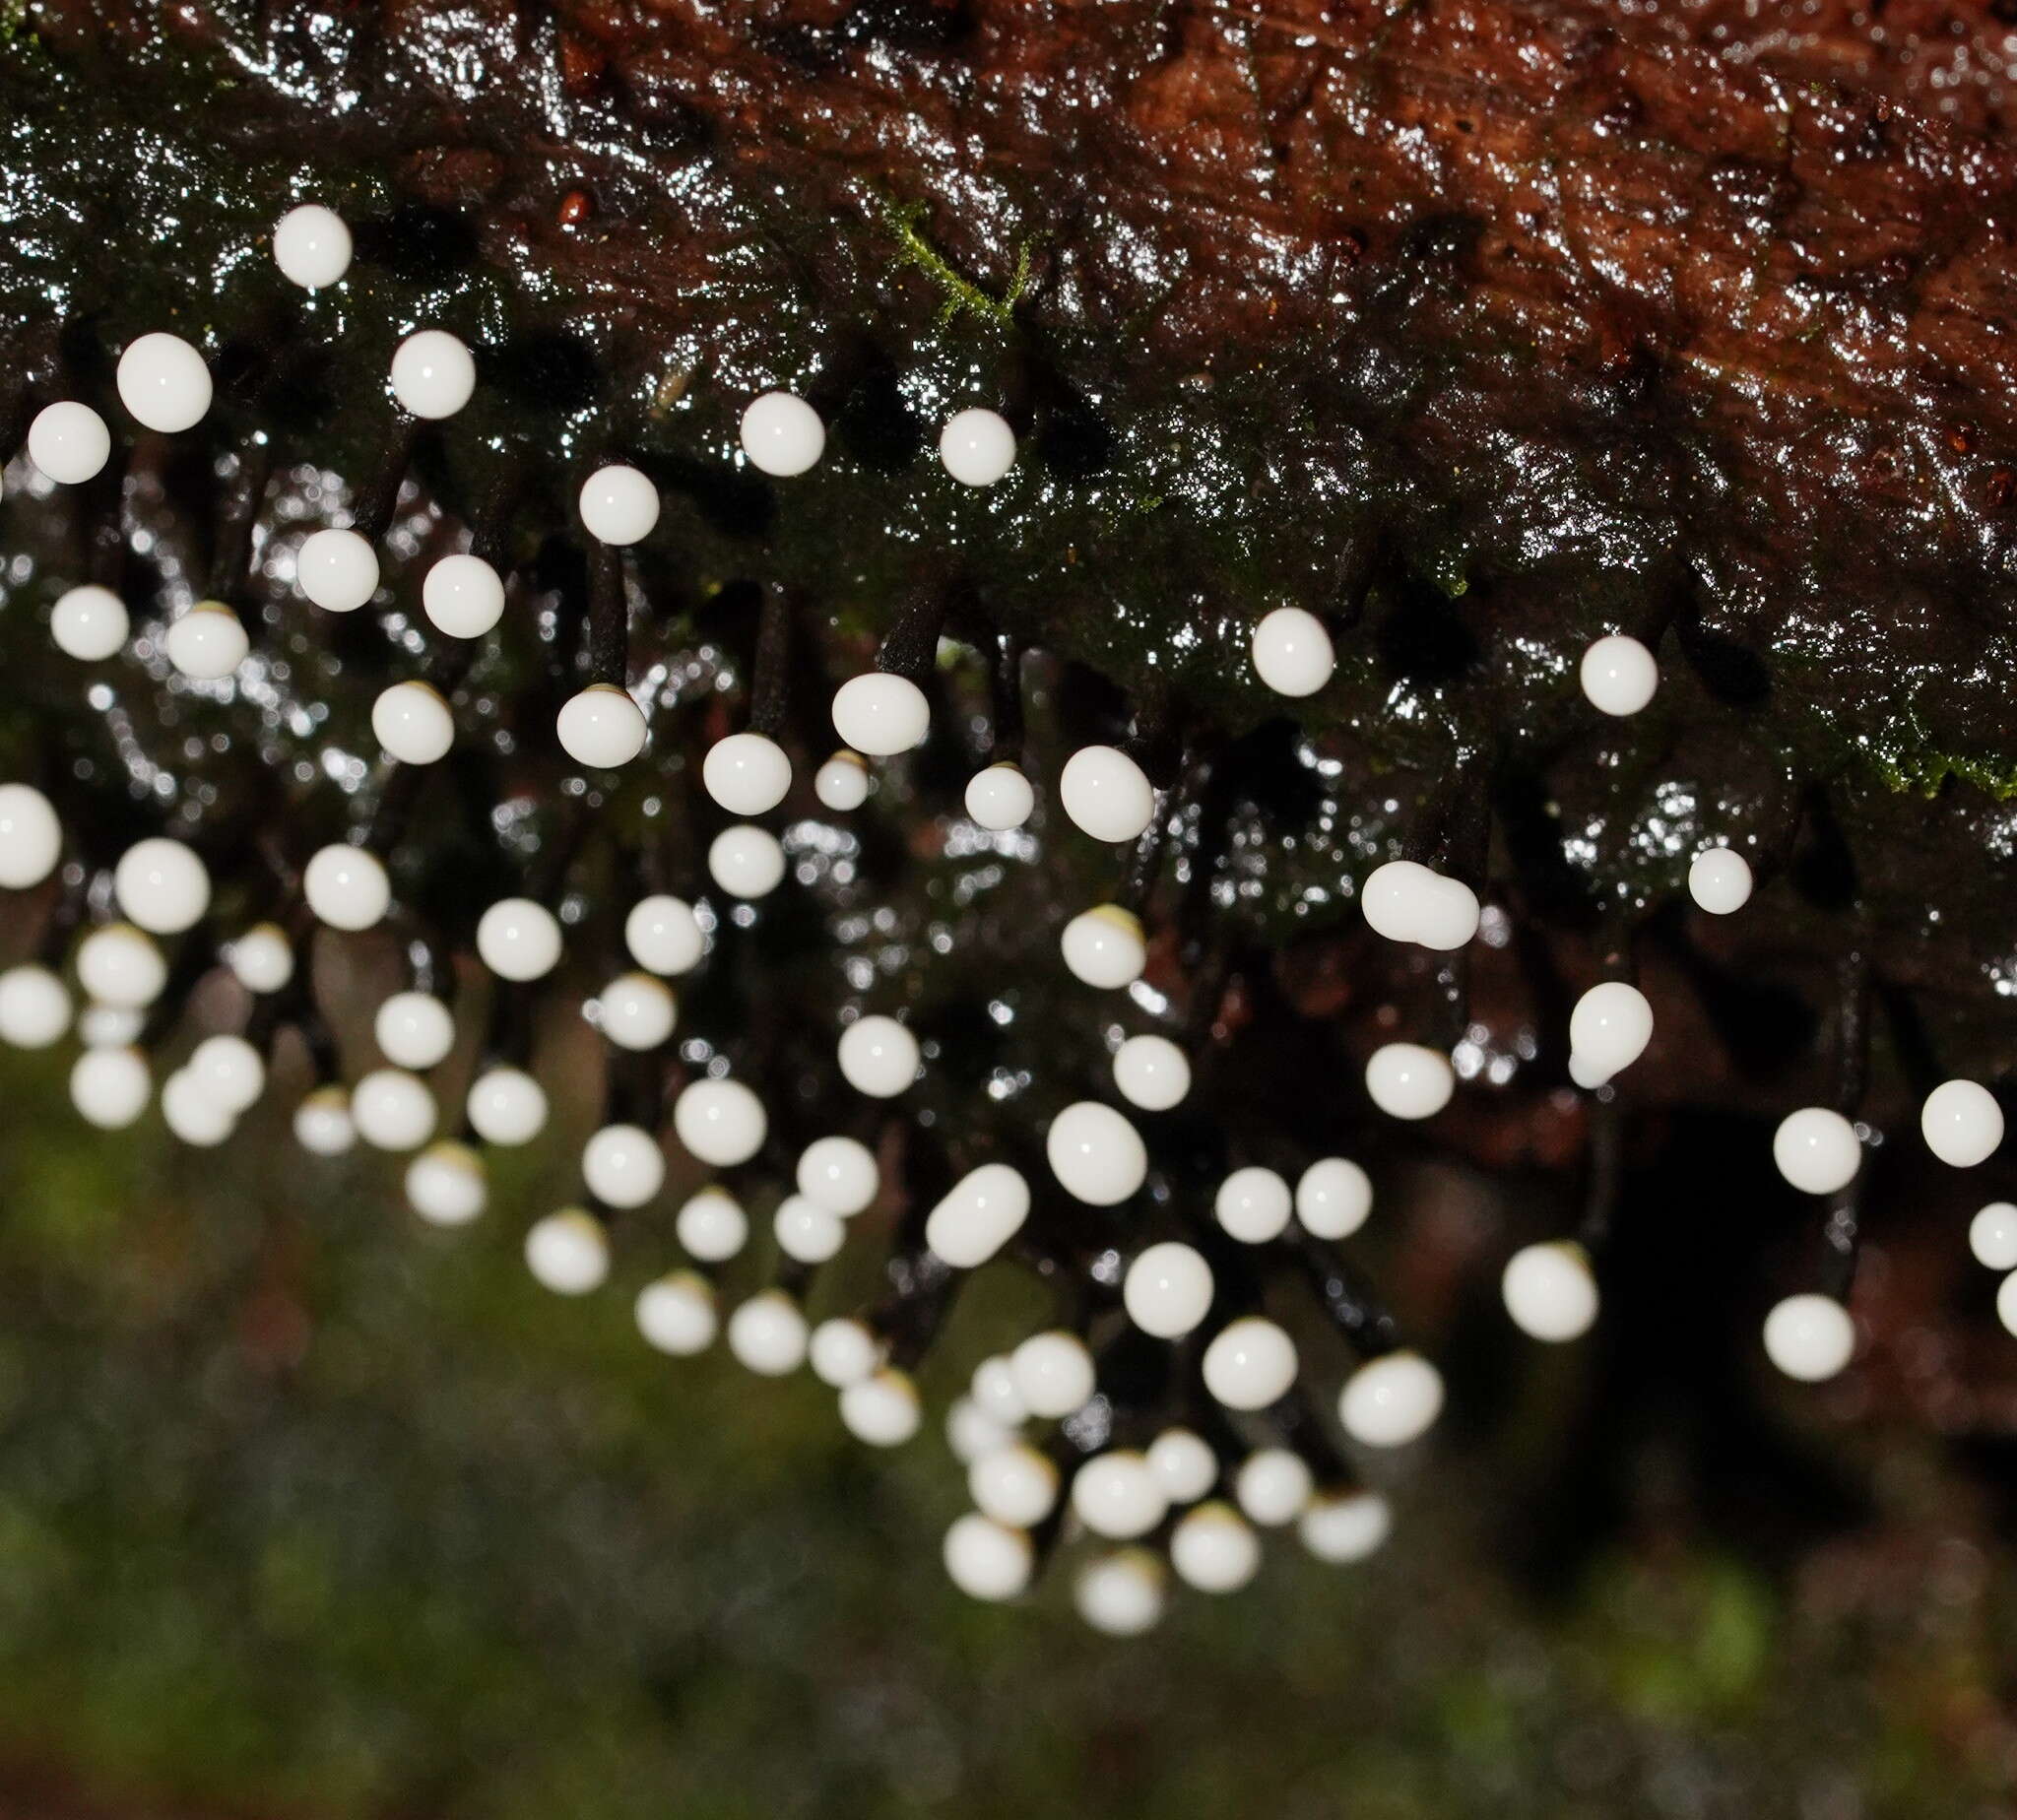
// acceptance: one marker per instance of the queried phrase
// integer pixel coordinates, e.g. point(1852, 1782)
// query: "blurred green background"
point(307, 1510)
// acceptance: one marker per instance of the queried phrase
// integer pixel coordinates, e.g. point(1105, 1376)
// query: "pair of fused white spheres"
point(1408, 902)
point(1618, 675)
point(1609, 1031)
point(984, 1210)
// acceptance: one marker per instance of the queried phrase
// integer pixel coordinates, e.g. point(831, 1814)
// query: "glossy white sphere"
point(1345, 1527)
point(1152, 1072)
point(977, 446)
point(622, 1166)
point(229, 1069)
point(392, 1110)
point(1000, 796)
point(746, 773)
point(636, 1012)
point(842, 1351)
point(1116, 1495)
point(1168, 1290)
point(1609, 1029)
point(1408, 1081)
point(1104, 946)
point(506, 1106)
point(111, 1087)
point(878, 1057)
point(192, 1114)
point(519, 940)
point(119, 966)
point(720, 1121)
point(1184, 1465)
point(1719, 880)
point(881, 715)
point(1992, 1236)
point(1334, 1197)
point(839, 1174)
point(1962, 1123)
point(842, 782)
point(1618, 675)
point(781, 435)
point(1292, 652)
point(413, 723)
point(346, 888)
point(164, 384)
point(1253, 1204)
point(69, 442)
point(1250, 1363)
point(676, 1314)
point(601, 727)
point(207, 642)
point(1214, 1549)
point(1392, 1400)
point(433, 374)
point(1106, 794)
point(987, 1560)
point(337, 569)
point(619, 505)
point(1550, 1292)
point(746, 861)
point(1408, 902)
point(324, 1125)
point(711, 1226)
point(1811, 1337)
point(1121, 1594)
point(1095, 1154)
point(31, 837)
point(445, 1185)
point(981, 1213)
point(997, 1393)
point(663, 936)
point(463, 596)
point(883, 1409)
point(568, 1251)
point(34, 1006)
point(807, 1231)
point(89, 623)
point(414, 1029)
point(1816, 1151)
point(311, 245)
point(1013, 1484)
point(162, 887)
point(767, 1334)
point(1053, 1373)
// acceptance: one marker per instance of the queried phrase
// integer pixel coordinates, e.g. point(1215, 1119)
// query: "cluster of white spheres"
point(88, 622)
point(164, 384)
point(746, 861)
point(720, 1121)
point(1618, 675)
point(1168, 1290)
point(839, 1174)
point(601, 727)
point(1250, 1363)
point(1334, 1197)
point(842, 783)
point(676, 1314)
point(337, 569)
point(663, 936)
point(977, 446)
point(433, 374)
point(463, 596)
point(1117, 1495)
point(518, 939)
point(636, 1012)
point(767, 1334)
point(1408, 902)
point(1095, 1154)
point(1392, 1400)
point(987, 1560)
point(782, 436)
point(1152, 1072)
point(1719, 880)
point(1292, 652)
point(622, 1166)
point(1214, 1551)
point(1106, 794)
point(119, 966)
point(1104, 946)
point(981, 1213)
point(31, 837)
point(34, 1008)
point(393, 1110)
point(880, 714)
point(1121, 1594)
point(568, 1251)
point(1550, 1292)
point(1811, 1337)
point(1052, 1372)
point(207, 642)
point(882, 1409)
point(346, 888)
point(1962, 1123)
point(878, 1057)
point(1816, 1151)
point(711, 1226)
point(619, 505)
point(312, 246)
point(413, 723)
point(1405, 1080)
point(746, 773)
point(1609, 1031)
point(69, 442)
point(445, 1185)
point(999, 797)
point(505, 1106)
point(1253, 1204)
